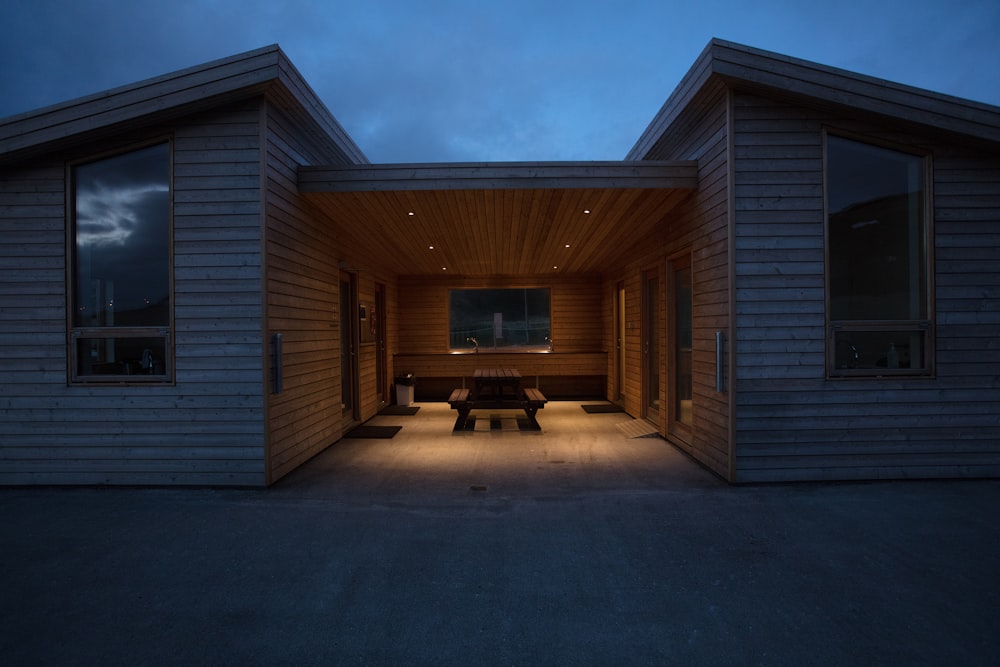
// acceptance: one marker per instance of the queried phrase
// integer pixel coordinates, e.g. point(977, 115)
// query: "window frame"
point(924, 326)
point(513, 349)
point(76, 333)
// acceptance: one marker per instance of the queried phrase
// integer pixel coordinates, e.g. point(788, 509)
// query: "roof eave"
point(748, 69)
point(499, 176)
point(163, 98)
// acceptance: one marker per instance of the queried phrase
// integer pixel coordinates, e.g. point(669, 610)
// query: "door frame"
point(651, 345)
point(675, 364)
point(349, 341)
point(620, 330)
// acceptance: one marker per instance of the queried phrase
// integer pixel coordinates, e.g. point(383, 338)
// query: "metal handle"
point(720, 366)
point(276, 378)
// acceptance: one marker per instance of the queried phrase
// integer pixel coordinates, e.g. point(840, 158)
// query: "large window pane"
point(876, 233)
point(499, 318)
point(878, 271)
point(122, 240)
point(121, 265)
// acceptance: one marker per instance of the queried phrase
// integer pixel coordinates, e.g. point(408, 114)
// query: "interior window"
point(877, 274)
point(120, 322)
point(492, 319)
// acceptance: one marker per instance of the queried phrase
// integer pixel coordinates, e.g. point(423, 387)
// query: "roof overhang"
point(843, 93)
point(496, 219)
point(265, 72)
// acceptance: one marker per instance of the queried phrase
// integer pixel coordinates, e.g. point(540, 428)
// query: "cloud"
point(473, 81)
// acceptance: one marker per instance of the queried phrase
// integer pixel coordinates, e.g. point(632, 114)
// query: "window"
point(120, 268)
point(878, 260)
point(507, 319)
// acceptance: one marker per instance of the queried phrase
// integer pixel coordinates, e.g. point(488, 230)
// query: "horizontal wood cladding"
point(698, 227)
point(208, 427)
point(303, 305)
point(529, 364)
point(575, 305)
point(793, 423)
point(557, 231)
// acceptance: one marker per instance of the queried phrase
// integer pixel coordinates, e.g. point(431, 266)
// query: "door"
point(348, 347)
point(680, 343)
point(651, 344)
point(378, 324)
point(619, 389)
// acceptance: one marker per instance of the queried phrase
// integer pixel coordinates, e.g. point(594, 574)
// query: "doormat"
point(399, 410)
point(638, 428)
point(373, 432)
point(601, 408)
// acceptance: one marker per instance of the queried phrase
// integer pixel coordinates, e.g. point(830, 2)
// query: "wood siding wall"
point(577, 327)
point(698, 225)
point(303, 271)
point(792, 422)
point(208, 427)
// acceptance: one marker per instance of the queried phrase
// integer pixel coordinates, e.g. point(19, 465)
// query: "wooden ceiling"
point(496, 219)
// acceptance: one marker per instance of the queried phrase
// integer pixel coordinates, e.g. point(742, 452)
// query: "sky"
point(492, 80)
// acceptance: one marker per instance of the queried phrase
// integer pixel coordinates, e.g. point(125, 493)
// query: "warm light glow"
point(586, 210)
point(410, 213)
point(566, 246)
point(430, 247)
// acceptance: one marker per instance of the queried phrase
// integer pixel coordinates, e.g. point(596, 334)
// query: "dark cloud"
point(471, 81)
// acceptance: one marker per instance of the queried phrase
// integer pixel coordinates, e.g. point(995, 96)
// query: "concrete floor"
point(576, 546)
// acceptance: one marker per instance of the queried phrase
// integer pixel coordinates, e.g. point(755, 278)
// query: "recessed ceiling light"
point(410, 213)
point(586, 210)
point(444, 268)
point(430, 247)
point(566, 246)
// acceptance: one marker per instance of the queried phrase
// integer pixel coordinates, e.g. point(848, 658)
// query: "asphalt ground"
point(575, 546)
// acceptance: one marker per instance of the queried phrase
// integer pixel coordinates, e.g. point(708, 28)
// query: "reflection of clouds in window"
point(122, 216)
point(110, 215)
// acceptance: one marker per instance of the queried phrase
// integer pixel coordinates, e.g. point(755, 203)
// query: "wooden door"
point(348, 347)
point(651, 345)
point(680, 343)
point(619, 388)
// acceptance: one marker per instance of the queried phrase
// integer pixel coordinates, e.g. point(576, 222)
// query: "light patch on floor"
point(637, 428)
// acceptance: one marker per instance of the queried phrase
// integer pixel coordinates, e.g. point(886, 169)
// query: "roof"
point(755, 70)
point(488, 219)
point(263, 71)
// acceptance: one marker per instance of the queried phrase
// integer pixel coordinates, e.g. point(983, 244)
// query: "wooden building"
point(794, 275)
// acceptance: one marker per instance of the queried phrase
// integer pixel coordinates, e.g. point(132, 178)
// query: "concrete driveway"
point(576, 546)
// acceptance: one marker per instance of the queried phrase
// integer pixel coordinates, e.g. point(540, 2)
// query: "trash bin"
point(404, 388)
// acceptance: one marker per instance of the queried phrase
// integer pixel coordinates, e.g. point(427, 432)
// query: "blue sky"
point(446, 80)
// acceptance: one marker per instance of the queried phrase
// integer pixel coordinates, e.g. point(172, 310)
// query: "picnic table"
point(490, 390)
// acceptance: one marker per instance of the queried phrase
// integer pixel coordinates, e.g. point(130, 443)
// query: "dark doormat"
point(375, 432)
point(400, 410)
point(601, 408)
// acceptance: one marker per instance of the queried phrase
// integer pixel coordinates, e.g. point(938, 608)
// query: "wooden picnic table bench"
point(529, 399)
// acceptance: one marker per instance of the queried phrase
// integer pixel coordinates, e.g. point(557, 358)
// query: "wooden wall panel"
point(303, 267)
point(698, 225)
point(793, 423)
point(208, 427)
point(577, 328)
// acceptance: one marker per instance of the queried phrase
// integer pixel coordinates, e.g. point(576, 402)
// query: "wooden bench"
point(461, 401)
point(532, 400)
